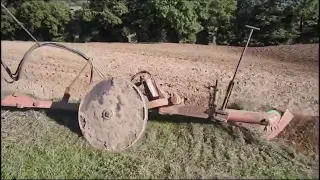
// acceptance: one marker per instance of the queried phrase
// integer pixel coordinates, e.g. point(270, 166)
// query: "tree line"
point(179, 21)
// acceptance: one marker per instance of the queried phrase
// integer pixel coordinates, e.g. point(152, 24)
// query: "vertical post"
point(242, 54)
point(231, 83)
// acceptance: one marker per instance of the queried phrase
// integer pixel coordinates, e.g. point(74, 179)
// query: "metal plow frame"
point(155, 98)
point(171, 104)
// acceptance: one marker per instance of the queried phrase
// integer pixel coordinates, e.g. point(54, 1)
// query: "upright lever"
point(231, 83)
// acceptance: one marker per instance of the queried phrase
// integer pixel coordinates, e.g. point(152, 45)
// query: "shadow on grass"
point(70, 118)
point(66, 118)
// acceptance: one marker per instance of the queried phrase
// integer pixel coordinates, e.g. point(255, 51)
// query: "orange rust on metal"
point(23, 101)
point(280, 125)
point(157, 103)
point(246, 116)
point(185, 110)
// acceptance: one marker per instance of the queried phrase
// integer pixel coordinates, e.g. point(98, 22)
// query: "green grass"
point(35, 146)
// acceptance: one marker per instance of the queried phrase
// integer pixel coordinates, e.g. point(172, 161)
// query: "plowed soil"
point(283, 77)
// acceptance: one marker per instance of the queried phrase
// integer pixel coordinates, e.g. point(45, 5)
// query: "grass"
point(36, 146)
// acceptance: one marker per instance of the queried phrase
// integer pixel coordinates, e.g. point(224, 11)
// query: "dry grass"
point(35, 146)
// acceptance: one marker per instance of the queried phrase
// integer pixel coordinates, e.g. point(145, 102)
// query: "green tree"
point(8, 25)
point(108, 12)
point(182, 16)
point(201, 21)
point(80, 27)
point(106, 19)
point(307, 16)
point(145, 20)
point(215, 16)
point(275, 18)
point(46, 20)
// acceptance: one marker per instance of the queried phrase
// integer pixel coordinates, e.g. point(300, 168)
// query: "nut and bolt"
point(175, 99)
point(107, 114)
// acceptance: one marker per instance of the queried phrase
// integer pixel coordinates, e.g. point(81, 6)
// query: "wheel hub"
point(113, 115)
point(107, 114)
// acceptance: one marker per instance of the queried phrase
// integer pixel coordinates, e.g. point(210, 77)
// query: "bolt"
point(175, 99)
point(107, 114)
point(36, 104)
point(18, 105)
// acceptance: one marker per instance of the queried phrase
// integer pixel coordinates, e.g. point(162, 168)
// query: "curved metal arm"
point(15, 76)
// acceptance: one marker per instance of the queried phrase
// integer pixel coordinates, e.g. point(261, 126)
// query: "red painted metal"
point(185, 111)
point(24, 101)
point(247, 116)
point(230, 116)
point(157, 103)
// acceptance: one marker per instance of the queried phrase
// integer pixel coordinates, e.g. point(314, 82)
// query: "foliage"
point(46, 20)
point(144, 20)
point(278, 20)
point(215, 16)
point(188, 21)
point(274, 23)
point(308, 17)
point(8, 26)
point(181, 16)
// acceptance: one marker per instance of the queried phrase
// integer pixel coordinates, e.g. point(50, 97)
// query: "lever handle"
point(252, 27)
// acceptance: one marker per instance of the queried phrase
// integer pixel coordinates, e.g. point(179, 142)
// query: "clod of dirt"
point(112, 115)
point(303, 134)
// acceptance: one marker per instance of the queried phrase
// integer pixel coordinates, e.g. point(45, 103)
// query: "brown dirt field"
point(271, 77)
